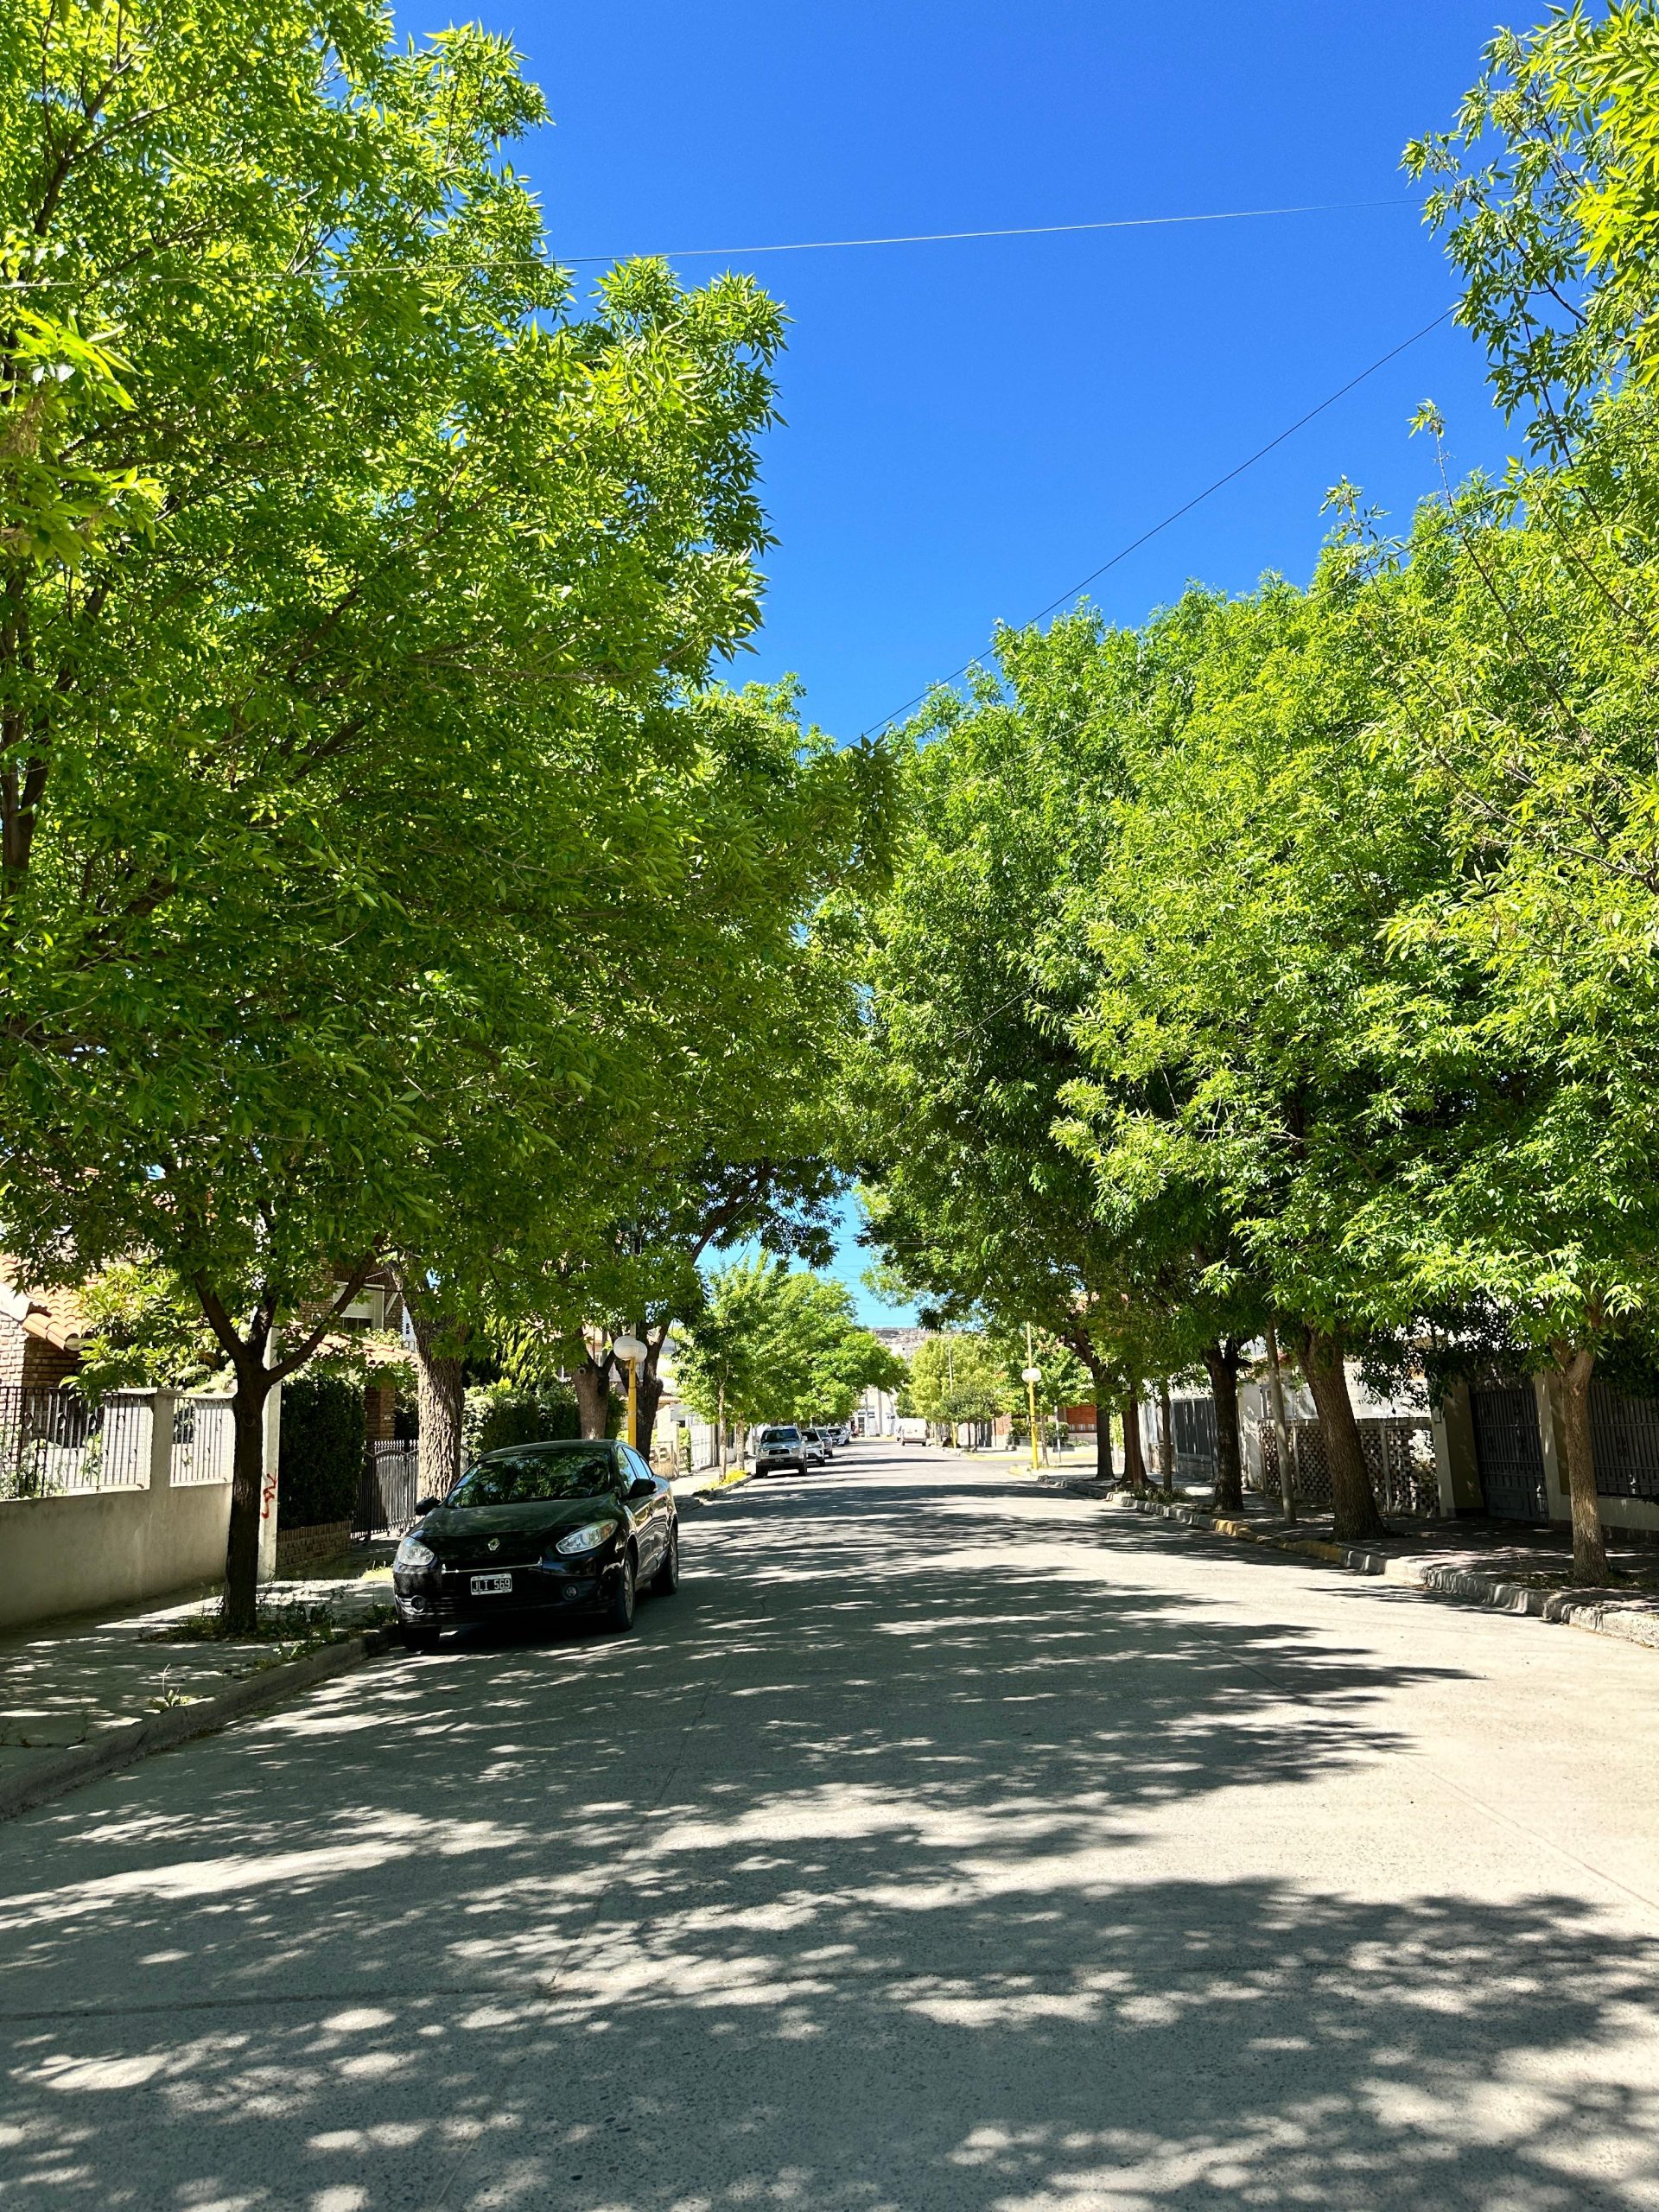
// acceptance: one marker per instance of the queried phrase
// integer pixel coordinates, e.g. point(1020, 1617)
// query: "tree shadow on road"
point(844, 1883)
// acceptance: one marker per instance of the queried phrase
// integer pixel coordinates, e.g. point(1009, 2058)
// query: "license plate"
point(491, 1585)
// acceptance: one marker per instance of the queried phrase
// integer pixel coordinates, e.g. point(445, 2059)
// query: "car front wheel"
point(619, 1614)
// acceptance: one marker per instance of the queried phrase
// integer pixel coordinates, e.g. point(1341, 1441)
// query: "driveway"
point(943, 1844)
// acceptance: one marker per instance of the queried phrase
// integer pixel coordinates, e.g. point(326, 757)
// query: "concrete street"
point(943, 1843)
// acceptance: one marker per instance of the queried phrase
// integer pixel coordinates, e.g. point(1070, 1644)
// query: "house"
point(40, 1332)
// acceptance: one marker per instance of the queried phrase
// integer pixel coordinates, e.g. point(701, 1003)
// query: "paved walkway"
point(69, 1682)
point(944, 1843)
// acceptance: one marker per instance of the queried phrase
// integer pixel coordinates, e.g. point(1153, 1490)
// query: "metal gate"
point(387, 1488)
point(1625, 1433)
point(1510, 1452)
point(1193, 1426)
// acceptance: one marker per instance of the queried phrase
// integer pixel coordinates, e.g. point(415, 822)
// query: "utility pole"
point(1031, 1375)
point(1281, 1427)
point(1165, 1439)
point(631, 1349)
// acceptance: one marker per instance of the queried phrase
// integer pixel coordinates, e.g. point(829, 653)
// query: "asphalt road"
point(943, 1843)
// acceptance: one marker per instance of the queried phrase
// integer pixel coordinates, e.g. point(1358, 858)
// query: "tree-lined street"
point(944, 1841)
point(515, 1082)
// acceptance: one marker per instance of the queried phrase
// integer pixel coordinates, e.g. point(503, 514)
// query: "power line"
point(709, 252)
point(1174, 516)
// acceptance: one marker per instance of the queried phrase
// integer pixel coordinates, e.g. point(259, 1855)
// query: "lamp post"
point(1031, 1375)
point(633, 1351)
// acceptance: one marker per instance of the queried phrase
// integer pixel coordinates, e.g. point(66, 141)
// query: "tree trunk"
point(1103, 1410)
point(1354, 1510)
point(1135, 1462)
point(1165, 1439)
point(720, 1432)
point(593, 1385)
point(253, 1387)
point(439, 1338)
point(1568, 1382)
point(257, 1373)
point(1222, 1361)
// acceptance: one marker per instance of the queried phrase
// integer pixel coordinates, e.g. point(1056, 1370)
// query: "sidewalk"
point(83, 1695)
point(1490, 1563)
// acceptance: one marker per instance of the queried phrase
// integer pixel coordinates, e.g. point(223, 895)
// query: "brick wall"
point(31, 1361)
point(300, 1551)
point(380, 1411)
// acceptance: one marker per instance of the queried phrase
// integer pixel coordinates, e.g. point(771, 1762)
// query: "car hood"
point(462, 1535)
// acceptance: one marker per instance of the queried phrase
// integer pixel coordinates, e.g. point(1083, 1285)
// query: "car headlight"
point(413, 1552)
point(588, 1538)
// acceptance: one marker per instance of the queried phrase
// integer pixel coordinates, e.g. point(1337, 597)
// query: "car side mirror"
point(427, 1504)
point(641, 1487)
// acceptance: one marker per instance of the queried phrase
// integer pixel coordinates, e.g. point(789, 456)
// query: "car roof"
point(552, 1444)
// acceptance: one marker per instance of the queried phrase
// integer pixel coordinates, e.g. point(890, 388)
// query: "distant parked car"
point(570, 1527)
point(818, 1452)
point(780, 1447)
point(911, 1430)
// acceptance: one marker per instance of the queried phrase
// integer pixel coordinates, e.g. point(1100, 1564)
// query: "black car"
point(538, 1529)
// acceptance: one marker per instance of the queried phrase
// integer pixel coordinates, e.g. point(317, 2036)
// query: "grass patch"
point(289, 1631)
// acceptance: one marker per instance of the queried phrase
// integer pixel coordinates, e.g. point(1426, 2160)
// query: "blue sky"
point(972, 428)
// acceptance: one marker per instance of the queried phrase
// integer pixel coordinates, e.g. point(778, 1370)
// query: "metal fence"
point(204, 1442)
point(388, 1487)
point(1624, 1433)
point(55, 1444)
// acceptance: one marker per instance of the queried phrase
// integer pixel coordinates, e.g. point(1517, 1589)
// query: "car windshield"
point(780, 1436)
point(536, 1473)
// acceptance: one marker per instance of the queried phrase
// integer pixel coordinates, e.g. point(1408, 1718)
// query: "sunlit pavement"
point(943, 1843)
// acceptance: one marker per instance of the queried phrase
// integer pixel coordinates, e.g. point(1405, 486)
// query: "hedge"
point(497, 1416)
point(319, 1451)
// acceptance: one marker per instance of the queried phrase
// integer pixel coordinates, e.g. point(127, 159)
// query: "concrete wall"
point(78, 1553)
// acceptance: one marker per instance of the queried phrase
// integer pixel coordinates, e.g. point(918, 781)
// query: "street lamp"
point(633, 1351)
point(1031, 1375)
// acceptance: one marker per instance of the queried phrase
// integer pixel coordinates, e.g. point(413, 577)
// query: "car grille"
point(533, 1586)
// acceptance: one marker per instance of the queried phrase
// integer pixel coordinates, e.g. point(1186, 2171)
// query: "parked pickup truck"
point(781, 1446)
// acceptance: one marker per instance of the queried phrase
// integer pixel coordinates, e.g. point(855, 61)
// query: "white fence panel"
point(204, 1441)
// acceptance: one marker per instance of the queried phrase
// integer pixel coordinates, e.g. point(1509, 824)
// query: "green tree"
point(958, 1377)
point(1523, 667)
point(342, 770)
point(771, 1343)
point(1546, 188)
point(985, 1204)
point(730, 1003)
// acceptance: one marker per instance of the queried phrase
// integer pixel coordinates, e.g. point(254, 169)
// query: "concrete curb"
point(160, 1732)
point(708, 1483)
point(1566, 1608)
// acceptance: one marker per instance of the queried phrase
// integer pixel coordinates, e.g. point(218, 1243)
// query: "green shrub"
point(320, 1451)
point(497, 1416)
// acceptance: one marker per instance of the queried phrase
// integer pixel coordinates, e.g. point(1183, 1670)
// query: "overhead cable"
point(1186, 507)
